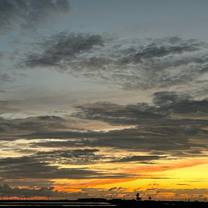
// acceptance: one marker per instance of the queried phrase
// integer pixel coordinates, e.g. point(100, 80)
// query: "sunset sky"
point(104, 98)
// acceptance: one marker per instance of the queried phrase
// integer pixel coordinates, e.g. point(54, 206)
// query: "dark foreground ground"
point(104, 204)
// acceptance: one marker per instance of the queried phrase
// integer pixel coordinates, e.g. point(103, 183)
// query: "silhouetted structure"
point(150, 198)
point(138, 198)
point(103, 203)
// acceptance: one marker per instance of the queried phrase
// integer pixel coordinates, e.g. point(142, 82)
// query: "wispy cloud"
point(29, 13)
point(130, 63)
point(61, 48)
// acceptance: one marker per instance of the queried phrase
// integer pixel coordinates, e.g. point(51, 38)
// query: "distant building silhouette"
point(138, 198)
point(150, 198)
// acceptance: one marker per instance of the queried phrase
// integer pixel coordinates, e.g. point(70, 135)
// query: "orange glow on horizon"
point(168, 177)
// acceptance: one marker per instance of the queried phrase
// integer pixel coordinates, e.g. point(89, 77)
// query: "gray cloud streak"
point(62, 48)
point(164, 127)
point(35, 168)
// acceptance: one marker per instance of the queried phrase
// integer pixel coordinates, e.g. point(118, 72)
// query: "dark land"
point(103, 203)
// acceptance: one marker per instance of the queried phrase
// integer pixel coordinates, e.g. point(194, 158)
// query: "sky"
point(104, 99)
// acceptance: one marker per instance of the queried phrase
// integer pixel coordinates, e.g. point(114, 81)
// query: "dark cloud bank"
point(34, 167)
point(169, 126)
point(173, 125)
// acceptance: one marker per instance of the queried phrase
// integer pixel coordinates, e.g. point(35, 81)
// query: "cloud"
point(30, 124)
point(138, 158)
point(8, 191)
point(62, 48)
point(165, 126)
point(114, 192)
point(32, 168)
point(185, 142)
point(181, 104)
point(174, 124)
point(46, 192)
point(91, 156)
point(29, 13)
point(119, 114)
point(157, 49)
point(130, 63)
point(5, 77)
point(6, 106)
point(165, 103)
point(72, 157)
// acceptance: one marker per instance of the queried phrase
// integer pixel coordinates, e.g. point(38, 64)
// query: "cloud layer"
point(29, 13)
point(174, 125)
point(130, 63)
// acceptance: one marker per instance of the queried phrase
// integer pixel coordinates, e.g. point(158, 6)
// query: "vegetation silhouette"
point(105, 203)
